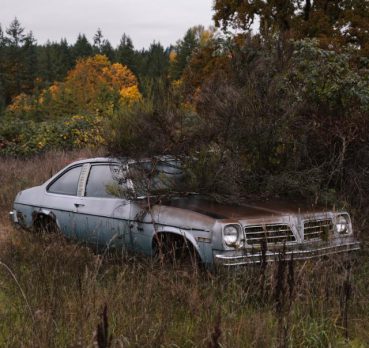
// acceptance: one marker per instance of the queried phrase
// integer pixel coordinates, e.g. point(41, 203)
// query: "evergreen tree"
point(153, 71)
point(63, 59)
point(155, 61)
point(45, 63)
point(98, 41)
point(126, 54)
point(15, 33)
point(13, 67)
point(29, 57)
point(183, 51)
point(82, 48)
point(108, 50)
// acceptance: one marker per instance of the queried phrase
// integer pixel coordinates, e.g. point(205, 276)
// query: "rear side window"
point(100, 182)
point(67, 183)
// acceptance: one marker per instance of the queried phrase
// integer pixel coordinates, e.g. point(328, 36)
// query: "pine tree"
point(63, 59)
point(13, 67)
point(183, 51)
point(98, 41)
point(108, 50)
point(126, 54)
point(156, 61)
point(29, 57)
point(15, 33)
point(45, 63)
point(82, 48)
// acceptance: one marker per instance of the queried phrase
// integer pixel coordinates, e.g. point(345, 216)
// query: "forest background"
point(283, 110)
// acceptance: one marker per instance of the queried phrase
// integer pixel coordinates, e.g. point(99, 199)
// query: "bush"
point(27, 137)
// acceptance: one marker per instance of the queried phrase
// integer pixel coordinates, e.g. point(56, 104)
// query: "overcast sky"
point(143, 20)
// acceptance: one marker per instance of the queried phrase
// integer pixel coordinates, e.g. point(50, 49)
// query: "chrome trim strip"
point(225, 260)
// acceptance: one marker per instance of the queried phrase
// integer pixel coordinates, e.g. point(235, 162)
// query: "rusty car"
point(98, 202)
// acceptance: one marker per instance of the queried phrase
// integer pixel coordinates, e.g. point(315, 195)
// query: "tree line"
point(26, 66)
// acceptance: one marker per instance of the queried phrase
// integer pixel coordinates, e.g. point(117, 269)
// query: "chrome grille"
point(271, 234)
point(318, 229)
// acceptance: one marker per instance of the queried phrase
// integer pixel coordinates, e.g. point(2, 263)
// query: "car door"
point(62, 198)
point(103, 215)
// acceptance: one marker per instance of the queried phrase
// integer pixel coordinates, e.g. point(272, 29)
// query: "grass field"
point(53, 293)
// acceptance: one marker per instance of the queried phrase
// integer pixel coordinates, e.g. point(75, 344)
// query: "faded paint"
point(305, 231)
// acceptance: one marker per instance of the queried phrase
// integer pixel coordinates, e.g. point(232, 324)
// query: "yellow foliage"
point(129, 95)
point(172, 56)
point(176, 84)
point(21, 102)
point(85, 136)
point(54, 89)
point(94, 86)
point(94, 81)
point(206, 36)
point(120, 76)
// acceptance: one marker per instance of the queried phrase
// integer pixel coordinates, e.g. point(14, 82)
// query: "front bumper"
point(297, 252)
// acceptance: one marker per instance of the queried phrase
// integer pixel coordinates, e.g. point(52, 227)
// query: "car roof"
point(95, 160)
point(126, 160)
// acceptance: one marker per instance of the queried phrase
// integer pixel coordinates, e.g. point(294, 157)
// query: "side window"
point(104, 181)
point(66, 184)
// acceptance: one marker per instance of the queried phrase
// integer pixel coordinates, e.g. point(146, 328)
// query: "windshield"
point(156, 177)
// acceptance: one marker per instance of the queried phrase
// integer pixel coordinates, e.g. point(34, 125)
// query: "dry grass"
point(66, 288)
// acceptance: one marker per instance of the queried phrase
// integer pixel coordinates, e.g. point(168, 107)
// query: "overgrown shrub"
point(27, 137)
point(287, 118)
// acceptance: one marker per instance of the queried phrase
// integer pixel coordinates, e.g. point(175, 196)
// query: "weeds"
point(103, 338)
point(215, 336)
point(345, 298)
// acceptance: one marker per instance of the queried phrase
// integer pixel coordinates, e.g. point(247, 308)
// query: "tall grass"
point(57, 294)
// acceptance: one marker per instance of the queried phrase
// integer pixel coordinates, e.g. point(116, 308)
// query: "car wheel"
point(173, 249)
point(45, 224)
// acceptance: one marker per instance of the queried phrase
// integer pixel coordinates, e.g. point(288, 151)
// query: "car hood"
point(250, 209)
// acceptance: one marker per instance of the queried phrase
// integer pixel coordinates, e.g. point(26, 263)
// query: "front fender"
point(188, 235)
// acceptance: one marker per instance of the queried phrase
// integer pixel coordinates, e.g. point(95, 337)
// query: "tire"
point(170, 248)
point(45, 224)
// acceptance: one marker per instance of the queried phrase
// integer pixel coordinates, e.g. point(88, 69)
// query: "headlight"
point(342, 224)
point(231, 234)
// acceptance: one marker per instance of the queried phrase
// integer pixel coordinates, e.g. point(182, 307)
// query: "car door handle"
point(78, 205)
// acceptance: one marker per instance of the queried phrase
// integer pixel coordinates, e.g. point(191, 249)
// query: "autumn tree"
point(210, 57)
point(93, 87)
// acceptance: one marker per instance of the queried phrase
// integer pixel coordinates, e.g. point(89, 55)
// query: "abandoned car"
point(102, 202)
